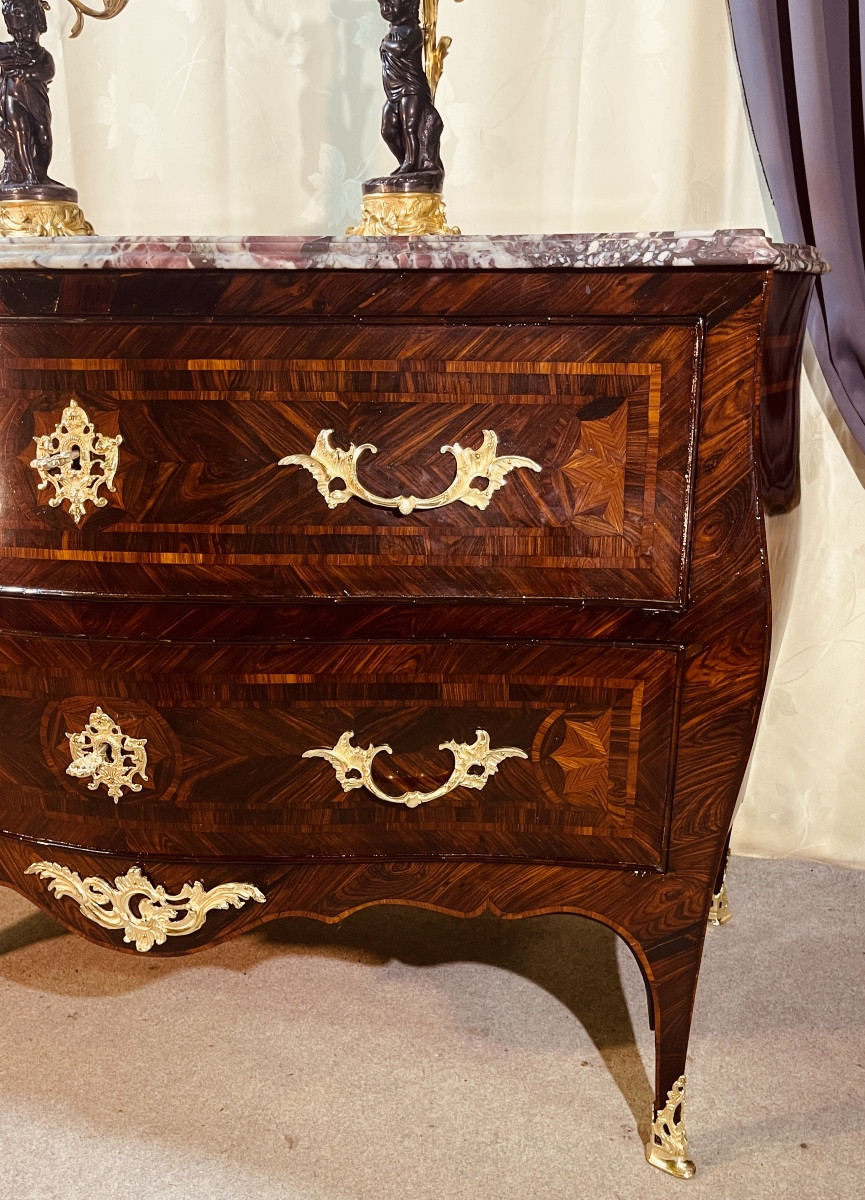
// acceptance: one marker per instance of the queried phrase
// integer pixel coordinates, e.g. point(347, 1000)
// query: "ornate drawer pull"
point(473, 765)
point(107, 756)
point(146, 914)
point(328, 464)
point(66, 460)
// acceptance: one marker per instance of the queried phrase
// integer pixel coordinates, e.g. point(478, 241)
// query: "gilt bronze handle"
point(473, 766)
point(330, 466)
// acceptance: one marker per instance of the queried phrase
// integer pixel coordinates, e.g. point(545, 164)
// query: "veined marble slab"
point(723, 248)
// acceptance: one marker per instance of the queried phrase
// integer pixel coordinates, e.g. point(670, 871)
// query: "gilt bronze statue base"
point(402, 214)
point(42, 218)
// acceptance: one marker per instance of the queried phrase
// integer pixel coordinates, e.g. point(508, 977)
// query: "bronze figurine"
point(26, 71)
point(409, 201)
point(411, 125)
point(31, 202)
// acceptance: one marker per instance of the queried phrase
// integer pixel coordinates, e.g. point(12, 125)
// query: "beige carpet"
point(414, 1057)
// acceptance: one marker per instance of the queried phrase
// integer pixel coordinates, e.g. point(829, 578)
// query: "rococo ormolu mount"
point(31, 202)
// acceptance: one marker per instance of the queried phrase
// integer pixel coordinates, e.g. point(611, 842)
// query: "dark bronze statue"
point(26, 70)
point(411, 125)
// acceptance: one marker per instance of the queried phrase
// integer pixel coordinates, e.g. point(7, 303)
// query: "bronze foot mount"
point(719, 910)
point(667, 1147)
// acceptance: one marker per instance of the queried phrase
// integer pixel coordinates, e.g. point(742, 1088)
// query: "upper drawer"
point(509, 461)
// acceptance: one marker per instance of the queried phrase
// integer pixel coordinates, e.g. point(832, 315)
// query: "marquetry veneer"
point(209, 613)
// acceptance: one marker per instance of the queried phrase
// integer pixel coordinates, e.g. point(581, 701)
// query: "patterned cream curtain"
point(261, 116)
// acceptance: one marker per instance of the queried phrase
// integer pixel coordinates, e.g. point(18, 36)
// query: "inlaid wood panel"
point(226, 730)
point(206, 413)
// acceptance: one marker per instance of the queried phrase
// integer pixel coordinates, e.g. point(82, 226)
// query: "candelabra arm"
point(435, 49)
point(111, 9)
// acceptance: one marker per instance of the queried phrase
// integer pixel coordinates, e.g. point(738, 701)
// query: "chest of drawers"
point(343, 573)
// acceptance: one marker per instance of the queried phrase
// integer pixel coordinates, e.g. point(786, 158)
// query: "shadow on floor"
point(571, 958)
point(28, 931)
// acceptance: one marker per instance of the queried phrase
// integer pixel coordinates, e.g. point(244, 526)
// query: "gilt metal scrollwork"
point(147, 914)
point(110, 8)
point(473, 766)
point(330, 466)
point(107, 756)
point(667, 1147)
point(76, 461)
point(435, 49)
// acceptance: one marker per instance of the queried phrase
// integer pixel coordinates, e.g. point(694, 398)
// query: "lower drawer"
point(555, 752)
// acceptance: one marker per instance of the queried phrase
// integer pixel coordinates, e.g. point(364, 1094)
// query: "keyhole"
point(109, 754)
point(75, 464)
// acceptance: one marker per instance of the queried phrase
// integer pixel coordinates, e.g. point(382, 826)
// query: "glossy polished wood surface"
point(601, 411)
point(609, 615)
point(207, 410)
point(227, 727)
point(779, 410)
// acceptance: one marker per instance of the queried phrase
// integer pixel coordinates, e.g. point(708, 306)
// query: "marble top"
point(723, 248)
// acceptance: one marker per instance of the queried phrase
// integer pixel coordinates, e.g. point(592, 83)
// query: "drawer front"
point(331, 460)
point(553, 753)
point(236, 751)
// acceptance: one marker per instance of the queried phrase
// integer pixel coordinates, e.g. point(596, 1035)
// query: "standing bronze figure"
point(409, 201)
point(411, 125)
point(27, 194)
point(31, 202)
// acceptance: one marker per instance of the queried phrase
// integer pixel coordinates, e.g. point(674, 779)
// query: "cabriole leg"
point(674, 968)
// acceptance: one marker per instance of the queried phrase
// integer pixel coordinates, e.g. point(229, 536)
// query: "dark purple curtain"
point(801, 64)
